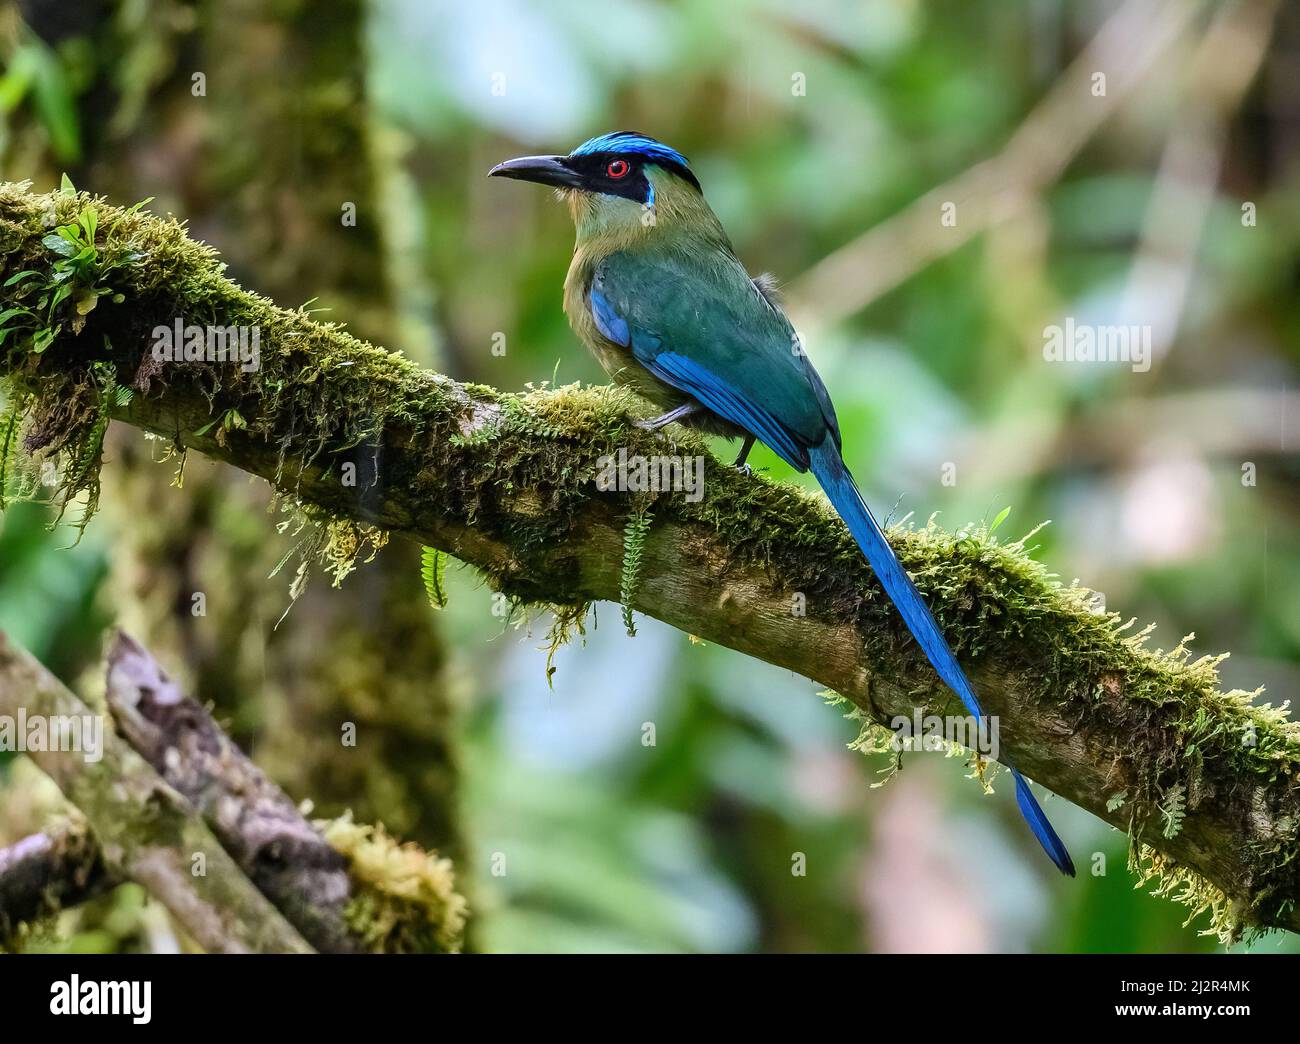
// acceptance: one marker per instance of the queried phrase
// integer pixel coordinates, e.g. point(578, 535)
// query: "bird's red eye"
point(617, 169)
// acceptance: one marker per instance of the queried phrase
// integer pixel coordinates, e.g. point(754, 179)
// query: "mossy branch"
point(506, 483)
point(146, 832)
point(346, 887)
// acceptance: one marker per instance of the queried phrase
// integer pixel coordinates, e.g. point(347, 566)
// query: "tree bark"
point(47, 872)
point(347, 888)
point(146, 831)
point(1145, 740)
point(256, 822)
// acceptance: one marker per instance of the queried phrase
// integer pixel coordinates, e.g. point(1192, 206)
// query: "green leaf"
point(7, 441)
point(59, 295)
point(433, 570)
point(18, 77)
point(1001, 517)
point(20, 276)
point(66, 188)
point(53, 100)
point(60, 245)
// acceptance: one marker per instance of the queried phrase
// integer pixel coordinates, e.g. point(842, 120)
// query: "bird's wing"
point(707, 330)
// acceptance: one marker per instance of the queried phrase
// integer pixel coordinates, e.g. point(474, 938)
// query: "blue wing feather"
point(803, 443)
point(608, 321)
point(689, 376)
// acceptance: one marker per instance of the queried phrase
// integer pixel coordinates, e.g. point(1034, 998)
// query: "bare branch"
point(347, 887)
point(256, 822)
point(146, 831)
point(48, 872)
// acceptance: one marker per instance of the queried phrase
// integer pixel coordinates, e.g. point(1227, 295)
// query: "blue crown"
point(637, 144)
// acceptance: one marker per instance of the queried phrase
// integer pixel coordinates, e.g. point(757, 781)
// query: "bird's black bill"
point(545, 170)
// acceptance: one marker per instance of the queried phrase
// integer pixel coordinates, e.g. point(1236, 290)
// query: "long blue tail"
point(828, 466)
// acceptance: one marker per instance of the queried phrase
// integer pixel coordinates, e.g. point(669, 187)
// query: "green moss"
point(568, 622)
point(404, 899)
point(1229, 921)
point(321, 398)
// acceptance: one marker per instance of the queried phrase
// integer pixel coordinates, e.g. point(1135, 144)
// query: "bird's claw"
point(657, 430)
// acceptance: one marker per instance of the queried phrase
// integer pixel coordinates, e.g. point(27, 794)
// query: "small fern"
point(433, 570)
point(1173, 809)
point(487, 432)
point(88, 457)
point(634, 536)
point(8, 444)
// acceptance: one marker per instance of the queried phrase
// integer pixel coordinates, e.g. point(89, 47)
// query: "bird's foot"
point(739, 463)
point(664, 419)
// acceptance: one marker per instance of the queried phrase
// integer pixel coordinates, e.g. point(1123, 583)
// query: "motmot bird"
point(656, 291)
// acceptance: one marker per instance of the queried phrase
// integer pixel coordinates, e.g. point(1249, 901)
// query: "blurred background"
point(934, 184)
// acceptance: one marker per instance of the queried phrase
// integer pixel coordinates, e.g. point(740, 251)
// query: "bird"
point(656, 291)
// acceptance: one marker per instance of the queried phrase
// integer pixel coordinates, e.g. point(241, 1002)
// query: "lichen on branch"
point(1204, 780)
